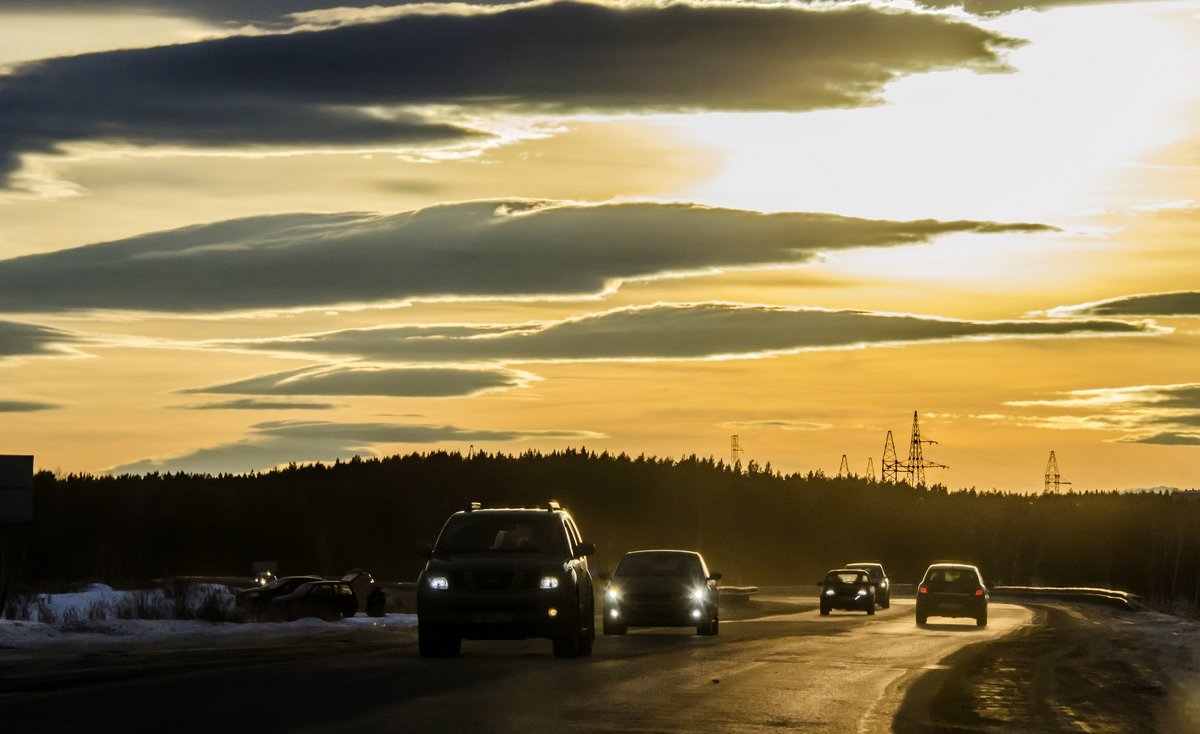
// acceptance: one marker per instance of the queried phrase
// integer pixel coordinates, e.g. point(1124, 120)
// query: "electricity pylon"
point(844, 469)
point(890, 466)
point(870, 470)
point(735, 451)
point(1054, 480)
point(916, 456)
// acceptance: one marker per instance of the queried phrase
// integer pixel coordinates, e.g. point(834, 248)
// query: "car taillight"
point(923, 590)
point(979, 592)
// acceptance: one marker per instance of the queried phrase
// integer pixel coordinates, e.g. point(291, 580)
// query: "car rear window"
point(952, 577)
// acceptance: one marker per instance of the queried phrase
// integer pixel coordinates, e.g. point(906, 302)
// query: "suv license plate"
point(493, 617)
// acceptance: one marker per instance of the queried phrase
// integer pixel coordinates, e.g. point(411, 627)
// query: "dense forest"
point(754, 525)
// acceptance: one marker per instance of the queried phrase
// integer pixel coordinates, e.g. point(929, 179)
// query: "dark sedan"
point(847, 588)
point(952, 590)
point(661, 588)
point(328, 600)
point(257, 600)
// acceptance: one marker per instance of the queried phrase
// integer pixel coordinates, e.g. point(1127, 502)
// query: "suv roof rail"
point(553, 505)
point(475, 506)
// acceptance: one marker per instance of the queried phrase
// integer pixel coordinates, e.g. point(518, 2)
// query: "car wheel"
point(824, 611)
point(707, 628)
point(921, 620)
point(566, 646)
point(887, 601)
point(981, 620)
point(436, 645)
point(871, 610)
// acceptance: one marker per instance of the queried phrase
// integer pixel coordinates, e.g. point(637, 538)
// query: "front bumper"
point(498, 616)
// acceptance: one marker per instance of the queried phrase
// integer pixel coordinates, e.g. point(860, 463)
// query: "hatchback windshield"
point(660, 564)
point(525, 532)
point(858, 577)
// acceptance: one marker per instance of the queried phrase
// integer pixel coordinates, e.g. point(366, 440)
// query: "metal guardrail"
point(1111, 597)
point(736, 593)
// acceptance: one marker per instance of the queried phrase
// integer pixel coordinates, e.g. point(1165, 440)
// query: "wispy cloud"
point(280, 442)
point(363, 84)
point(481, 249)
point(253, 404)
point(19, 340)
point(675, 331)
point(25, 406)
point(778, 424)
point(433, 382)
point(1157, 414)
point(1175, 303)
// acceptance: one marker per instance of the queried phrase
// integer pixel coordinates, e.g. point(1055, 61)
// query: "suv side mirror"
point(715, 576)
point(424, 550)
point(585, 549)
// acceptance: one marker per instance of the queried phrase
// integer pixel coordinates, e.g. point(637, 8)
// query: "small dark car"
point(879, 577)
point(328, 600)
point(257, 599)
point(952, 590)
point(661, 588)
point(847, 588)
point(506, 574)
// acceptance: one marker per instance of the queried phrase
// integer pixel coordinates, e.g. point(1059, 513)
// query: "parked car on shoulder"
point(847, 588)
point(363, 583)
point(328, 600)
point(256, 599)
point(952, 590)
point(661, 588)
point(511, 573)
point(879, 577)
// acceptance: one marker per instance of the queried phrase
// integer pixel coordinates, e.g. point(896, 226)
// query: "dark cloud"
point(679, 331)
point(313, 87)
point(256, 12)
point(18, 340)
point(474, 249)
point(25, 406)
point(389, 382)
point(252, 404)
point(1178, 303)
point(281, 442)
point(1167, 439)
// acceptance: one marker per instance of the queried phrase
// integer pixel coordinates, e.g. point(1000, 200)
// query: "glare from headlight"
point(613, 613)
point(861, 592)
point(696, 614)
point(439, 582)
point(548, 582)
point(699, 594)
point(612, 594)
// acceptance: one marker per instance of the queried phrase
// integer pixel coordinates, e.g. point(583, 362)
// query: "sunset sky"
point(236, 235)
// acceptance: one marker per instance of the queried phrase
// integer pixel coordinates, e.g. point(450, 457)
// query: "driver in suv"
point(505, 574)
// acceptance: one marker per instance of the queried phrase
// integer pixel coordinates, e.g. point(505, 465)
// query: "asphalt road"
point(845, 673)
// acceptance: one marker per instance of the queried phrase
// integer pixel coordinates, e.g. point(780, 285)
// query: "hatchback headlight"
point(830, 592)
point(439, 583)
point(861, 592)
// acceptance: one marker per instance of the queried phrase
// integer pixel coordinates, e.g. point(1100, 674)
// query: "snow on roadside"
point(93, 616)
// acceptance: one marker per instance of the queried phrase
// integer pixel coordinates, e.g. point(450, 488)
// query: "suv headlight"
point(700, 594)
point(439, 583)
point(613, 595)
point(548, 582)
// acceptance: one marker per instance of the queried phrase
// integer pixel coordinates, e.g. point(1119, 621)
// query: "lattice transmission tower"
point(916, 456)
point(1054, 480)
point(844, 469)
point(870, 470)
point(735, 451)
point(890, 466)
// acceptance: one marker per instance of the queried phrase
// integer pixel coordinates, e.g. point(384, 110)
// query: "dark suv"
point(506, 574)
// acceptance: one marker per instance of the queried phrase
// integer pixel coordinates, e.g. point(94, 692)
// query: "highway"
point(846, 673)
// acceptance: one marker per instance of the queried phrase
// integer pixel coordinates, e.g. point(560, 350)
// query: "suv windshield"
point(485, 532)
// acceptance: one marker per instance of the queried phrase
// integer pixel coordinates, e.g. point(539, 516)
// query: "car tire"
point(981, 620)
point(871, 610)
point(824, 611)
point(573, 643)
point(922, 620)
point(437, 645)
point(708, 628)
point(887, 601)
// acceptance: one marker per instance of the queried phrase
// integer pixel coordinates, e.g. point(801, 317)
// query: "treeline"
point(754, 525)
